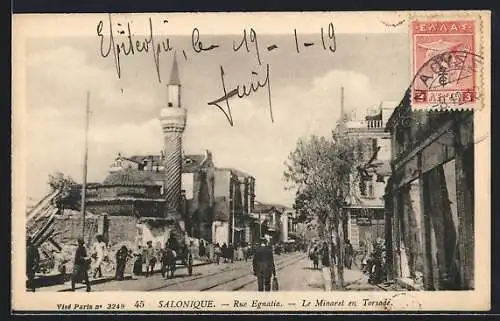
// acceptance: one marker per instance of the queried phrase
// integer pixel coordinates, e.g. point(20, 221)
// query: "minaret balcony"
point(173, 118)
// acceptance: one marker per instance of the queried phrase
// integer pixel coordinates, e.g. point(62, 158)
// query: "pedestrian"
point(32, 262)
point(150, 259)
point(173, 243)
point(240, 252)
point(315, 258)
point(326, 263)
point(224, 252)
point(121, 261)
point(81, 266)
point(202, 250)
point(230, 252)
point(168, 262)
point(139, 260)
point(217, 252)
point(263, 266)
point(246, 252)
point(158, 251)
point(210, 249)
point(348, 253)
point(99, 252)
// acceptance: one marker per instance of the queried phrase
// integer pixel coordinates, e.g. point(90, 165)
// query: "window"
point(374, 145)
point(362, 186)
point(370, 188)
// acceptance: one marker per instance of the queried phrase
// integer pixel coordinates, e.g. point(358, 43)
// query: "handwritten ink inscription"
point(241, 92)
point(117, 40)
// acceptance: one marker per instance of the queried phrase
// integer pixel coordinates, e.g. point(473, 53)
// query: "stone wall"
point(121, 228)
point(69, 228)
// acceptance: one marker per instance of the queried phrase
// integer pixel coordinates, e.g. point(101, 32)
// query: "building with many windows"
point(234, 201)
point(365, 203)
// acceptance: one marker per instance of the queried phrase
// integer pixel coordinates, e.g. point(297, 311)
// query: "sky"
point(305, 96)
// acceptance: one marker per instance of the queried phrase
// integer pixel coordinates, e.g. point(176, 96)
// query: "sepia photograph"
point(283, 152)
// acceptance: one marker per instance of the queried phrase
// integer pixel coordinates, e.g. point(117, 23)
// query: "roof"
point(131, 177)
point(264, 208)
point(190, 164)
point(174, 73)
point(400, 111)
point(235, 171)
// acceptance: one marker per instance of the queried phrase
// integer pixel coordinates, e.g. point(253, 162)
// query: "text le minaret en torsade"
point(173, 121)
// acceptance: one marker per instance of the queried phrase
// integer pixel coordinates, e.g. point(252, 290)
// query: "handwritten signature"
point(242, 92)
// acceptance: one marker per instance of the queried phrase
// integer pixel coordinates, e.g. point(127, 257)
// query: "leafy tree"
point(320, 169)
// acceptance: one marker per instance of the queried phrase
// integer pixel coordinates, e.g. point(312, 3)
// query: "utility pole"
point(342, 115)
point(340, 227)
point(260, 228)
point(233, 210)
point(85, 159)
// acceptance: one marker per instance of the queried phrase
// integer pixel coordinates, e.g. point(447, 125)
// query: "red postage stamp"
point(444, 64)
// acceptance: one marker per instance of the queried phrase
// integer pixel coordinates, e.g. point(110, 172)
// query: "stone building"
point(135, 189)
point(365, 204)
point(234, 193)
point(268, 222)
point(430, 198)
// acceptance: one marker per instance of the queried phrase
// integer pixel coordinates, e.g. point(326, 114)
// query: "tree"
point(320, 170)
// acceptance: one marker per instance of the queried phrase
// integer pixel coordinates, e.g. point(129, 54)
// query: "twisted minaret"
point(173, 121)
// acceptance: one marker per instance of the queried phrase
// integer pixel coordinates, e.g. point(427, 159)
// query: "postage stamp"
point(445, 63)
point(250, 162)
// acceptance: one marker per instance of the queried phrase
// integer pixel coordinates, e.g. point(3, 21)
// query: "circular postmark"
point(403, 301)
point(447, 80)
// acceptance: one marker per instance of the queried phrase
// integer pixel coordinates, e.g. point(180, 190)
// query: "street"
point(294, 271)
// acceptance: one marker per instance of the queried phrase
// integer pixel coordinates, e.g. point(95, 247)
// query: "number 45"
point(139, 304)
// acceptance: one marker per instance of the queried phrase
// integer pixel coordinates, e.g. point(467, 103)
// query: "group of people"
point(89, 262)
point(319, 252)
point(226, 252)
point(85, 262)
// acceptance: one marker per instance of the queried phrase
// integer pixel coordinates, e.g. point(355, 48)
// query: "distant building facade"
point(234, 193)
point(271, 221)
point(365, 204)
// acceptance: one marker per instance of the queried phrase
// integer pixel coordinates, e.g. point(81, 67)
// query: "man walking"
point(32, 261)
point(81, 266)
point(150, 259)
point(263, 266)
point(99, 253)
point(348, 253)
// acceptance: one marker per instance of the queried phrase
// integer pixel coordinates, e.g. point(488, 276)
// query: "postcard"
point(275, 161)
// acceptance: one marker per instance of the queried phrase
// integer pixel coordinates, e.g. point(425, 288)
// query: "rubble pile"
point(64, 258)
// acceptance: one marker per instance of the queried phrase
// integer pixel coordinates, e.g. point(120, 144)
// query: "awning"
point(383, 169)
point(361, 202)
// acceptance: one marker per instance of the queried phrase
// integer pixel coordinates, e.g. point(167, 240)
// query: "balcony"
point(374, 123)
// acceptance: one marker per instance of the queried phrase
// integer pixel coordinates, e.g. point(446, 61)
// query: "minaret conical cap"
point(174, 73)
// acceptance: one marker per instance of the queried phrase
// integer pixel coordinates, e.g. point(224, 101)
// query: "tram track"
point(239, 282)
point(190, 282)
